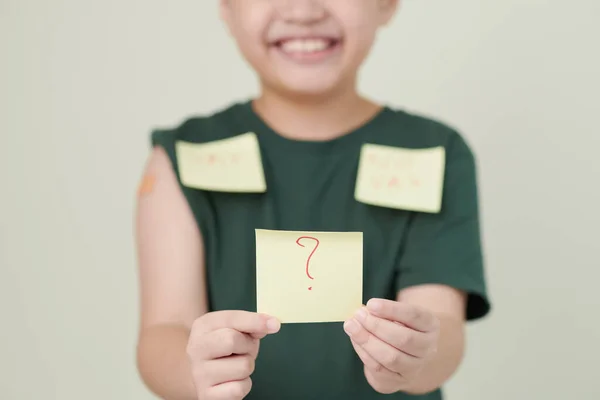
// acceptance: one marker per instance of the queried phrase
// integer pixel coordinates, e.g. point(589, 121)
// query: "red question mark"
point(311, 254)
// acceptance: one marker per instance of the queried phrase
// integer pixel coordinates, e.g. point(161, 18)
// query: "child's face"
point(307, 47)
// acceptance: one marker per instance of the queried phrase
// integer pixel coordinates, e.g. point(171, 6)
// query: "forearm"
point(447, 359)
point(163, 363)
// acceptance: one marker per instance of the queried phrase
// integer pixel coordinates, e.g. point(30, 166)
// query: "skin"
point(412, 344)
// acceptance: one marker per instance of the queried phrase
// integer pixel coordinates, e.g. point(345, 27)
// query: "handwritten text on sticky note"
point(408, 179)
point(309, 276)
point(227, 165)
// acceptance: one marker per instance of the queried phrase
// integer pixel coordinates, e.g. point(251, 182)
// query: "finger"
point(407, 314)
point(230, 390)
point(388, 356)
point(228, 369)
point(385, 384)
point(243, 321)
point(257, 335)
point(370, 363)
point(226, 342)
point(414, 343)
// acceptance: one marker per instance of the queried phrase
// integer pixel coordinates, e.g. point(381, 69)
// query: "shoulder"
point(414, 130)
point(216, 125)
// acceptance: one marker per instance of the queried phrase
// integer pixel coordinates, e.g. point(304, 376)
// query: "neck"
point(315, 118)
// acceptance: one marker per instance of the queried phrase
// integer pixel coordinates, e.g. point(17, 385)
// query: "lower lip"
point(314, 57)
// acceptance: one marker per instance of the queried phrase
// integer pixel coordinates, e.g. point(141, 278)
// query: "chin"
point(316, 84)
point(311, 88)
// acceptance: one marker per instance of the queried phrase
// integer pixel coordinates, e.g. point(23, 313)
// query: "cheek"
point(360, 28)
point(251, 43)
point(359, 45)
point(248, 28)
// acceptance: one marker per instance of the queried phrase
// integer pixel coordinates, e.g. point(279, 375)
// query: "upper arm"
point(169, 248)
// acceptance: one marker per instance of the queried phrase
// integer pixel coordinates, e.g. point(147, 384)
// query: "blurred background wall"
point(82, 83)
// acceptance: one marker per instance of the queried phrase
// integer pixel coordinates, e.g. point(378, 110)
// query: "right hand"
point(222, 348)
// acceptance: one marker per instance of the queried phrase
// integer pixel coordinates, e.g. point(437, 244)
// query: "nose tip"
point(300, 11)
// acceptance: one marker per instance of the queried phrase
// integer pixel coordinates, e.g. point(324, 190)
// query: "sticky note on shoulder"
point(309, 276)
point(407, 179)
point(226, 165)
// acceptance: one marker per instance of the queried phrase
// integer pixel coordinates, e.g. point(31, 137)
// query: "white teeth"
point(304, 45)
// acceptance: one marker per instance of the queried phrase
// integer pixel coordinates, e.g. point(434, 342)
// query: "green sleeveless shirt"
point(310, 187)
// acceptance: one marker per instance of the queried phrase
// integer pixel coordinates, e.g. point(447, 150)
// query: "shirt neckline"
point(355, 137)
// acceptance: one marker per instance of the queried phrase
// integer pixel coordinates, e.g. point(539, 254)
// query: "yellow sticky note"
point(407, 179)
point(227, 165)
point(309, 276)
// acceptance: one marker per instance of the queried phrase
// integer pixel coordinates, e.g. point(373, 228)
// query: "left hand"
point(394, 340)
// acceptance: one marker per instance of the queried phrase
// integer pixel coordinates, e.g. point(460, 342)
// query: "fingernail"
point(361, 314)
point(351, 327)
point(374, 305)
point(273, 325)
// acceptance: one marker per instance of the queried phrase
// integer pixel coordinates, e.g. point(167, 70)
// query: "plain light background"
point(83, 82)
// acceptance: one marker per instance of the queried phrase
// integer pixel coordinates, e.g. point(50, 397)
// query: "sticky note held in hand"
point(227, 165)
point(309, 276)
point(407, 179)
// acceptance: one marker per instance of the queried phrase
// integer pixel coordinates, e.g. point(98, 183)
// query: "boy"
point(423, 276)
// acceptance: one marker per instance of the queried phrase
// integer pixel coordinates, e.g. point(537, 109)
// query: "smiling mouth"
point(307, 49)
